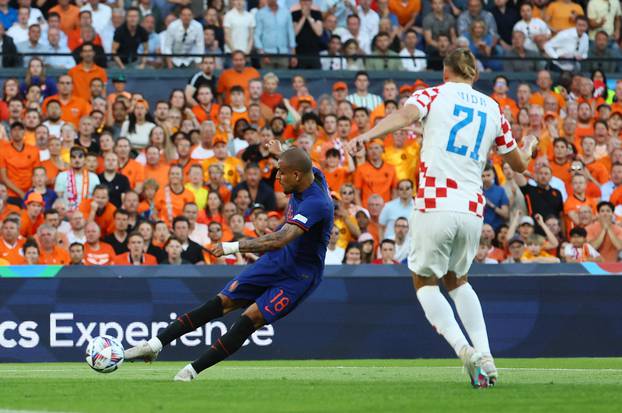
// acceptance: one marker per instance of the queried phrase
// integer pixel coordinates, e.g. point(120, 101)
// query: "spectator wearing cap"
point(83, 73)
point(384, 58)
point(362, 97)
point(258, 190)
point(413, 59)
point(569, 43)
point(516, 248)
point(184, 36)
point(32, 217)
point(70, 13)
point(127, 38)
point(17, 162)
point(238, 75)
point(274, 33)
point(523, 57)
point(332, 58)
point(75, 184)
point(375, 176)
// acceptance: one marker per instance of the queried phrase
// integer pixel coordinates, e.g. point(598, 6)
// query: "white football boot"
point(489, 368)
point(472, 365)
point(186, 374)
point(143, 351)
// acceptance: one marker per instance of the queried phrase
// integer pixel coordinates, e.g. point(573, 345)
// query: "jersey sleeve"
point(309, 212)
point(504, 141)
point(422, 100)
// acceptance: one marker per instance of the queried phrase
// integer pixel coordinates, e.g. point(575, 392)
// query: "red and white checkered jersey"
point(460, 126)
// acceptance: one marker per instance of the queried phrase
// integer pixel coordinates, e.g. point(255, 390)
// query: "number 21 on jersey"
point(463, 149)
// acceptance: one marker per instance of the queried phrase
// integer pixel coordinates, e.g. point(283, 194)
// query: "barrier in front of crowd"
point(50, 313)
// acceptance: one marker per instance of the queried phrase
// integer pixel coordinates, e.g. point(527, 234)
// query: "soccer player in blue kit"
point(279, 281)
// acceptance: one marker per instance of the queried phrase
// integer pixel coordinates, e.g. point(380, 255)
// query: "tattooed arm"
point(268, 242)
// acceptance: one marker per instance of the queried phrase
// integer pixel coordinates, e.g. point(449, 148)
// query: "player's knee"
point(255, 315)
point(452, 281)
point(419, 281)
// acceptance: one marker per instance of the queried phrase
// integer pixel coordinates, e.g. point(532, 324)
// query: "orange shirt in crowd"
point(19, 165)
point(573, 204)
point(231, 167)
point(187, 166)
point(336, 178)
point(203, 114)
point(51, 170)
point(134, 171)
point(72, 110)
point(598, 172)
point(236, 116)
point(28, 227)
point(13, 254)
point(124, 259)
point(371, 180)
point(105, 220)
point(506, 103)
point(74, 39)
point(102, 256)
point(559, 15)
point(561, 171)
point(537, 99)
point(158, 173)
point(168, 202)
point(57, 256)
point(404, 10)
point(230, 77)
point(7, 210)
point(82, 79)
point(607, 250)
point(69, 18)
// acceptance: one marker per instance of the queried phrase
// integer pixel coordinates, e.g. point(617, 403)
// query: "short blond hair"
point(462, 62)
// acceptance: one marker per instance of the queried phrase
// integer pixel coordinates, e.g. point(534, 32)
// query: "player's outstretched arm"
point(405, 116)
point(268, 242)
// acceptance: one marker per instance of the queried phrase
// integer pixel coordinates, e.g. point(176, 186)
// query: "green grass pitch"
point(525, 385)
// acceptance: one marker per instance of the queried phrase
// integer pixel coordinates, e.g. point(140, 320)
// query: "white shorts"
point(443, 241)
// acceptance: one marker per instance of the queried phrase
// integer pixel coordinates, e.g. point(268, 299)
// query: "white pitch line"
point(27, 411)
point(331, 367)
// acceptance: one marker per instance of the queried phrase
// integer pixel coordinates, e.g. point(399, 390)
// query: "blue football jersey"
point(313, 211)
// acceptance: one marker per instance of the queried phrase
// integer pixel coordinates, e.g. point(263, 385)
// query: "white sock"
point(470, 313)
point(439, 313)
point(191, 370)
point(155, 344)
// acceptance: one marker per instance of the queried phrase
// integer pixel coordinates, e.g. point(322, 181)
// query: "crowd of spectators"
point(92, 173)
point(412, 35)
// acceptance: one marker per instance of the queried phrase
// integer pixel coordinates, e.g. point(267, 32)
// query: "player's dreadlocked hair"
point(462, 62)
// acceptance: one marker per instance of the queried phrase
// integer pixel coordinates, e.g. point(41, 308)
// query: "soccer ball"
point(104, 354)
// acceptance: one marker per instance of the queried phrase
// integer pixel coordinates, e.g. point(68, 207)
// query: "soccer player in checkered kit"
point(460, 127)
